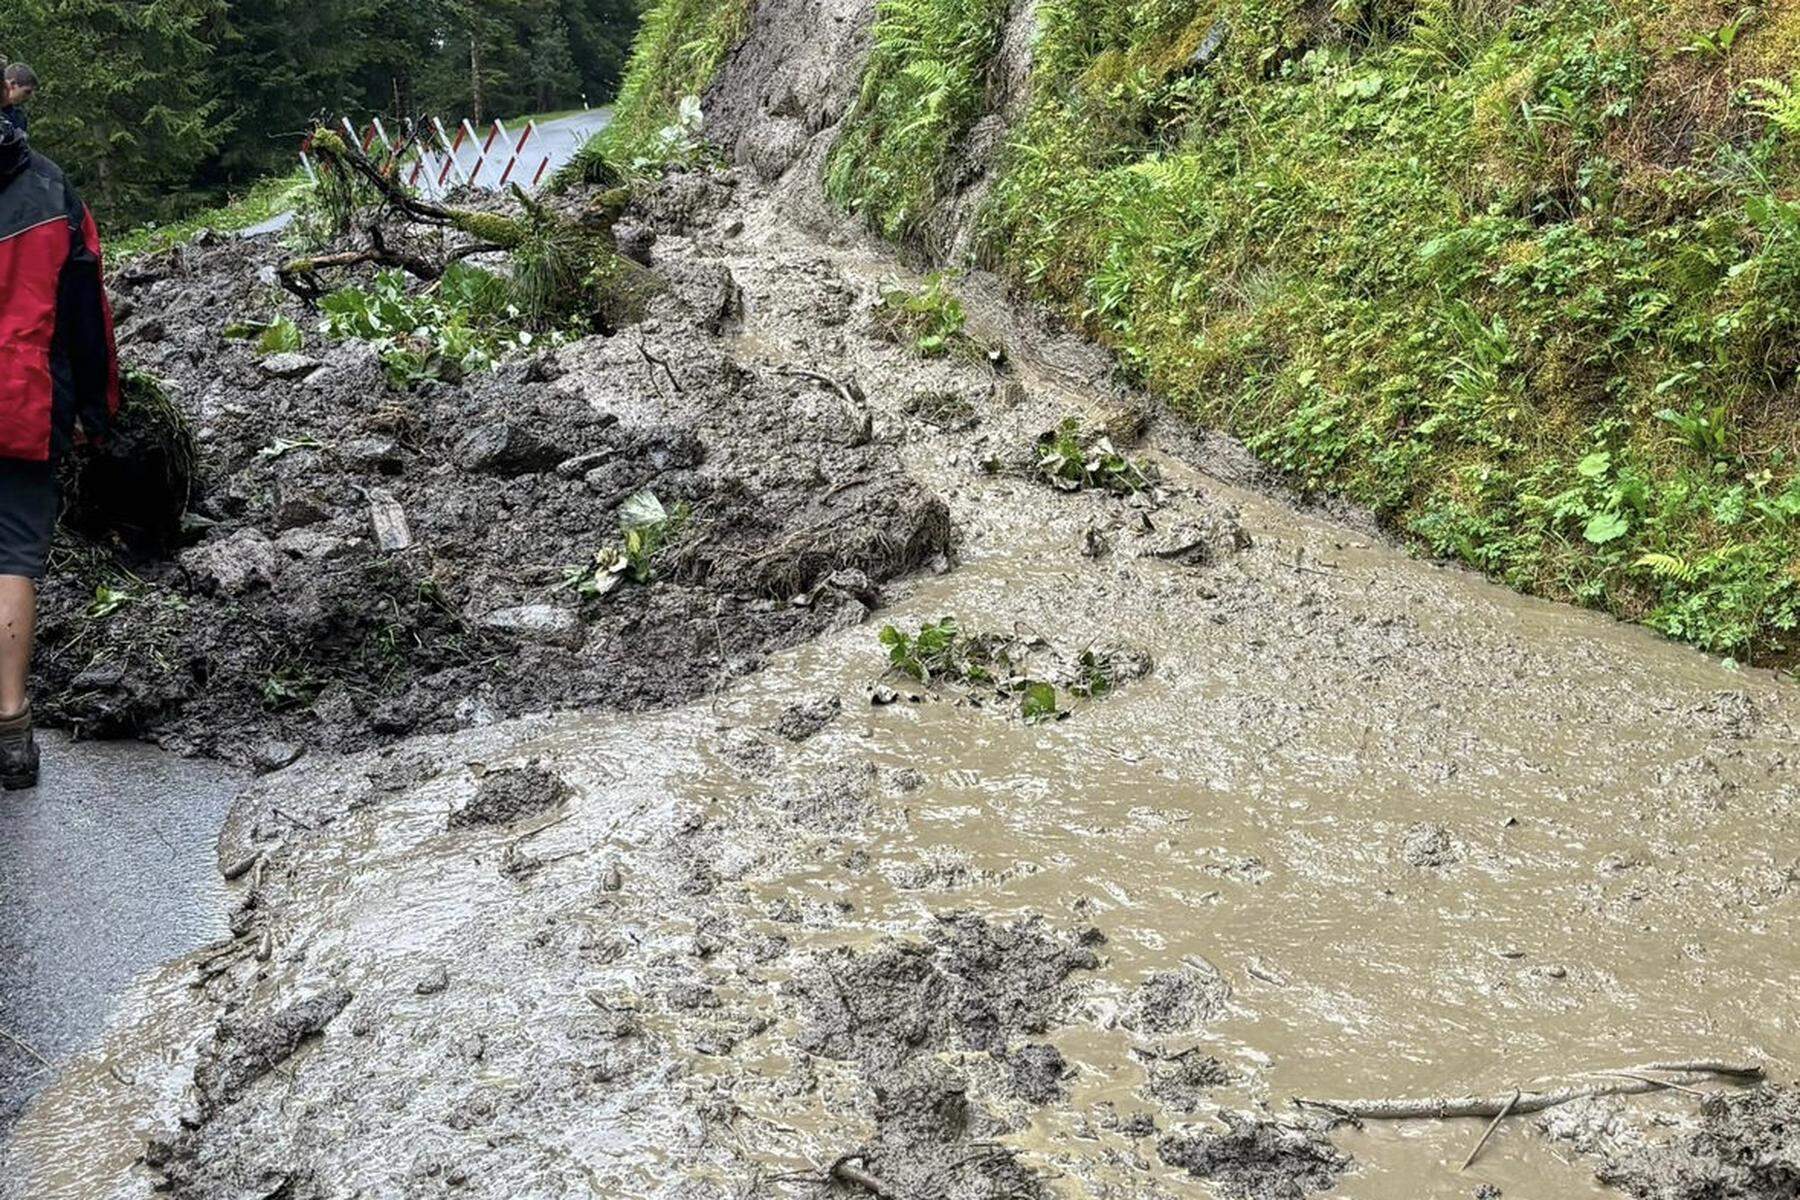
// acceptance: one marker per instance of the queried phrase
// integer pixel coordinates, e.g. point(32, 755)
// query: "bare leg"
point(18, 616)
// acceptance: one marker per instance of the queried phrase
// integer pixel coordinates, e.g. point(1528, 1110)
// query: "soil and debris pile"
point(364, 561)
point(973, 986)
point(1746, 1148)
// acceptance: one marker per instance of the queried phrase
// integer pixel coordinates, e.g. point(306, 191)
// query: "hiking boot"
point(18, 753)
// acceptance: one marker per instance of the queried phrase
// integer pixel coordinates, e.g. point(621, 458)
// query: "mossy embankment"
point(1522, 278)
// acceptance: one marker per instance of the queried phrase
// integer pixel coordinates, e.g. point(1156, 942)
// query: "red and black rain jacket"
point(57, 361)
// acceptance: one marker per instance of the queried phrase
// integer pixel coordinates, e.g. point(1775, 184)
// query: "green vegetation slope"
point(1522, 277)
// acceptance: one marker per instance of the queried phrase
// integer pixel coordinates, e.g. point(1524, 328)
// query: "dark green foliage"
point(126, 106)
point(152, 107)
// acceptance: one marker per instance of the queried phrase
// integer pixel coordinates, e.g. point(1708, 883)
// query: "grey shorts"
point(28, 503)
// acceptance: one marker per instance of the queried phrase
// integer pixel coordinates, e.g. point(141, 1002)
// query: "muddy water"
point(1436, 837)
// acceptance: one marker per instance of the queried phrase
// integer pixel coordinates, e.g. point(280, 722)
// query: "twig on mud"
point(531, 833)
point(844, 1172)
point(1634, 1081)
point(724, 667)
point(1492, 1125)
point(654, 361)
point(28, 1048)
point(1661, 1083)
point(865, 430)
point(836, 385)
point(291, 819)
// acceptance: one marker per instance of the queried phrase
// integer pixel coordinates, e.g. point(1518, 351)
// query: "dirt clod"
point(1746, 1148)
point(511, 794)
point(1180, 1001)
point(1254, 1158)
point(244, 1052)
point(1035, 1073)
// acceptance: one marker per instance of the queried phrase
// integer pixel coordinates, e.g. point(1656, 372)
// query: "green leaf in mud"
point(1040, 703)
point(642, 511)
point(280, 336)
point(1607, 527)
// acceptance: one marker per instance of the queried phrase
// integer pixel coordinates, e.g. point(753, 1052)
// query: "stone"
point(273, 756)
point(289, 365)
point(235, 564)
point(503, 448)
point(544, 624)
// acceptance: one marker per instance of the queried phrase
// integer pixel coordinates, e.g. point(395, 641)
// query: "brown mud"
point(1369, 827)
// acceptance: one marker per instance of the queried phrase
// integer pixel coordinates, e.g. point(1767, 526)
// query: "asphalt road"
point(106, 869)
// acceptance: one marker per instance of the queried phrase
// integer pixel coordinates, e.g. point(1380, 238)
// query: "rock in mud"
point(511, 794)
point(270, 757)
point(289, 365)
point(244, 1052)
point(1254, 1158)
point(233, 565)
point(1746, 1148)
point(1428, 845)
point(505, 448)
point(798, 722)
point(1035, 1073)
point(542, 623)
point(1182, 1001)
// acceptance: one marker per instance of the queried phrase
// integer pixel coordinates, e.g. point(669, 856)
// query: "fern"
point(1779, 102)
point(921, 92)
point(1669, 567)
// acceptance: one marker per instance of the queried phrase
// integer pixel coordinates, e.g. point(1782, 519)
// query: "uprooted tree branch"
point(562, 266)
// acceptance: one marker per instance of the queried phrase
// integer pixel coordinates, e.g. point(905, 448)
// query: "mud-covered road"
point(1368, 827)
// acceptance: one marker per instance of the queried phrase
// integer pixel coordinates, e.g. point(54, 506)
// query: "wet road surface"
point(106, 868)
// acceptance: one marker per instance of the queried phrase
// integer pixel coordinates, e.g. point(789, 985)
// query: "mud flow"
point(1367, 827)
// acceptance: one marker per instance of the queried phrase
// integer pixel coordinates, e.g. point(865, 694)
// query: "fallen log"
point(1626, 1081)
point(561, 265)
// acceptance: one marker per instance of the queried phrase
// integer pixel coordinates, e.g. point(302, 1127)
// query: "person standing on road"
point(17, 85)
point(59, 380)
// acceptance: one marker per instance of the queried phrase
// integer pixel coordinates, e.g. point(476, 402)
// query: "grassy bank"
point(265, 200)
point(1524, 278)
point(679, 48)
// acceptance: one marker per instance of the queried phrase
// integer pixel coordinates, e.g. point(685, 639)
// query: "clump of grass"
point(931, 319)
point(1008, 669)
point(1075, 459)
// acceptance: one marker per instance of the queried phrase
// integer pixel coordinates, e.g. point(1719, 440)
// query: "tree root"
point(1628, 1081)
